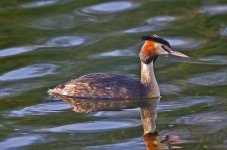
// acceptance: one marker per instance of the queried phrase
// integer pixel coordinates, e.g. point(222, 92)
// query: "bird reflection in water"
point(148, 115)
point(154, 141)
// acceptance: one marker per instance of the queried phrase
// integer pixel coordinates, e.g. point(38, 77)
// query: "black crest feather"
point(156, 38)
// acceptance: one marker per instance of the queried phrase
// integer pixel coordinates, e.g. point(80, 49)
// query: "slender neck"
point(149, 80)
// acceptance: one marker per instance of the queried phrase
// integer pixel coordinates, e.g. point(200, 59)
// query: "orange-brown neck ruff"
point(148, 53)
point(148, 47)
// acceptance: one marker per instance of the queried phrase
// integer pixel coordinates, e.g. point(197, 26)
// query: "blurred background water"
point(47, 42)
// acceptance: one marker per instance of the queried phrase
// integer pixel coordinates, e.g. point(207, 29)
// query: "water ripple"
point(5, 92)
point(43, 3)
point(32, 71)
point(39, 4)
point(223, 31)
point(61, 21)
point(181, 42)
point(110, 7)
point(208, 119)
point(17, 50)
point(214, 9)
point(40, 109)
point(128, 67)
point(141, 29)
point(53, 22)
point(185, 102)
point(65, 41)
point(129, 113)
point(16, 142)
point(217, 60)
point(115, 53)
point(15, 89)
point(62, 41)
point(161, 20)
point(213, 60)
point(211, 78)
point(169, 89)
point(133, 144)
point(155, 24)
point(96, 126)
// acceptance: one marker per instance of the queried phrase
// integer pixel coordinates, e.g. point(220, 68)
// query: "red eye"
point(165, 48)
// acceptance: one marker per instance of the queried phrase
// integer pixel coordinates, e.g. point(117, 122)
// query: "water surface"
point(44, 43)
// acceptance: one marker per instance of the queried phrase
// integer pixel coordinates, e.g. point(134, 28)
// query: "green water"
point(44, 43)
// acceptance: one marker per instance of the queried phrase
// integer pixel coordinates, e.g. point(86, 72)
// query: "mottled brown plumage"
point(101, 86)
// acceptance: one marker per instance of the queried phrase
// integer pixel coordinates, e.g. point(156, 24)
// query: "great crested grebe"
point(112, 86)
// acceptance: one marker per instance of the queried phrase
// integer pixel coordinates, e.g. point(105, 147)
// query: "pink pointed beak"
point(175, 53)
point(179, 54)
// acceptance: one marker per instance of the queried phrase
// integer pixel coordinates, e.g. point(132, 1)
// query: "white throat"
point(149, 80)
point(160, 50)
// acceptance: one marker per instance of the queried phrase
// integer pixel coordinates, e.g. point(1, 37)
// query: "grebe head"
point(155, 46)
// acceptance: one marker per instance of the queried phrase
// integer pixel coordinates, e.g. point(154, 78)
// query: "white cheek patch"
point(160, 50)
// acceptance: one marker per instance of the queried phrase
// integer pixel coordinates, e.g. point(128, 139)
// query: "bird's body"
point(102, 86)
point(112, 86)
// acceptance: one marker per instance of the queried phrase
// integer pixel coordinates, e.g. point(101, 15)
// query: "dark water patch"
point(53, 22)
point(211, 60)
point(141, 29)
point(220, 146)
point(186, 102)
point(216, 120)
point(4, 9)
point(20, 141)
point(39, 109)
point(64, 21)
point(155, 24)
point(214, 9)
point(214, 60)
point(17, 50)
point(129, 67)
point(115, 53)
point(209, 79)
point(96, 126)
point(169, 89)
point(32, 71)
point(65, 41)
point(110, 7)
